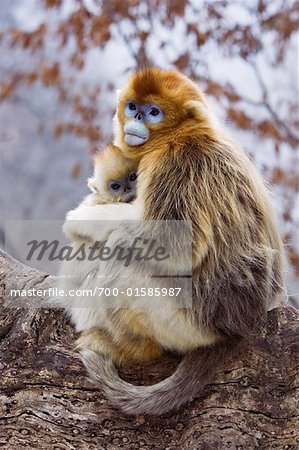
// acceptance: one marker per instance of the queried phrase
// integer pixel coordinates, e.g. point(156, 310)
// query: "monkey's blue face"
point(138, 117)
point(124, 189)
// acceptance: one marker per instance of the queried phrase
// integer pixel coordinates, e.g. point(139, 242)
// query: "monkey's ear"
point(197, 110)
point(91, 183)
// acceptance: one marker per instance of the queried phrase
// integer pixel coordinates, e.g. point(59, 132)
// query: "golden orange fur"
point(191, 170)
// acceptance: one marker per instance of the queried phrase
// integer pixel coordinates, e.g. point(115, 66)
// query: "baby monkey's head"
point(114, 178)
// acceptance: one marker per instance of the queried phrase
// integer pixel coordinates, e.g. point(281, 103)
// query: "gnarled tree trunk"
point(47, 401)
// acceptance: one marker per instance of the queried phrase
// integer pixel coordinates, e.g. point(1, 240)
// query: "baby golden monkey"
point(114, 178)
point(190, 170)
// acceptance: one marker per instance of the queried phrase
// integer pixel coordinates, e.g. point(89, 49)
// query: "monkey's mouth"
point(135, 139)
point(136, 135)
point(130, 198)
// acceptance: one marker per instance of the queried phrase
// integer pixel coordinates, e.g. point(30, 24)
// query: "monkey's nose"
point(138, 116)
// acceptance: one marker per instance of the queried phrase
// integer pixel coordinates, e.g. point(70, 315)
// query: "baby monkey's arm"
point(97, 222)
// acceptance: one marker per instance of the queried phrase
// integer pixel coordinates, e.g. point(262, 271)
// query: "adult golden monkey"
point(189, 169)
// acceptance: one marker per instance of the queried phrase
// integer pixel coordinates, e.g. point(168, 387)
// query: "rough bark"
point(47, 401)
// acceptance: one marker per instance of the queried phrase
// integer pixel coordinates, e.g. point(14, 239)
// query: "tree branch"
point(266, 103)
point(47, 399)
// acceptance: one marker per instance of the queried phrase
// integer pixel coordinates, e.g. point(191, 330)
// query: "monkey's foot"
point(95, 339)
point(129, 350)
point(139, 350)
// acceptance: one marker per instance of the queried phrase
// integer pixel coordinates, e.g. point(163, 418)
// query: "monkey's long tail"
point(188, 381)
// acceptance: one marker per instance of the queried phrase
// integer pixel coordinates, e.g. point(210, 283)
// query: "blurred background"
point(62, 60)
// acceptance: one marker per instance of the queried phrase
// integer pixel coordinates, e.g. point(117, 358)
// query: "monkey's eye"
point(133, 177)
point(115, 186)
point(154, 112)
point(132, 106)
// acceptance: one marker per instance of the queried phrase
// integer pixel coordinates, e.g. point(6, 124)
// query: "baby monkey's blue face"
point(124, 189)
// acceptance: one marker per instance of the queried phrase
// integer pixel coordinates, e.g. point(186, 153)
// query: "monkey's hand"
point(97, 222)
